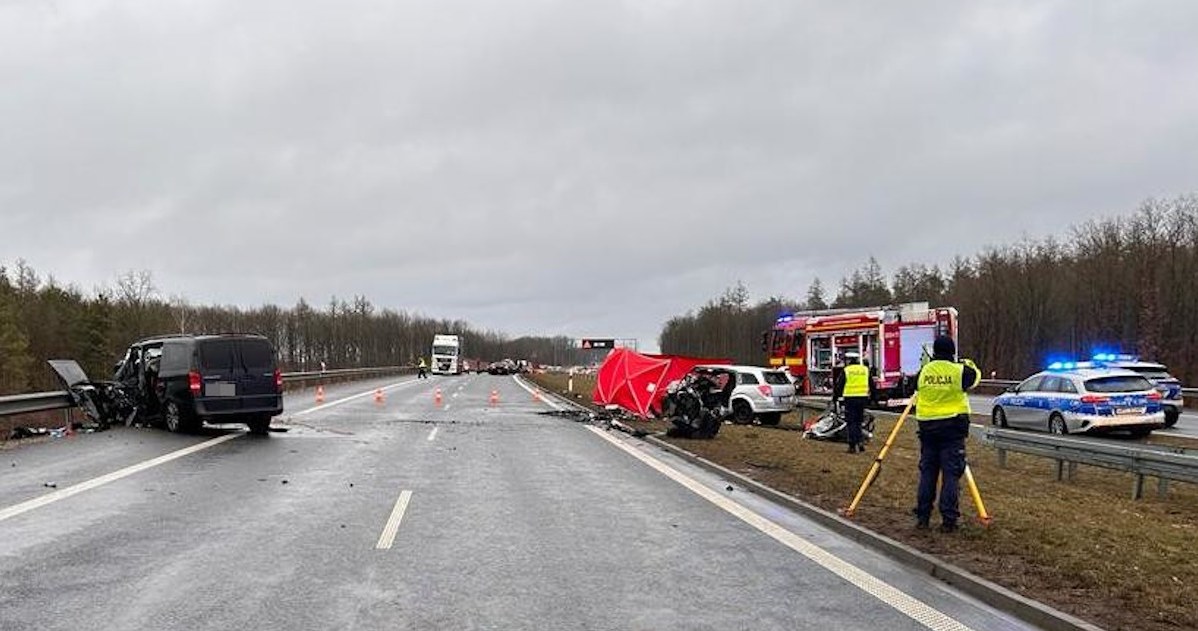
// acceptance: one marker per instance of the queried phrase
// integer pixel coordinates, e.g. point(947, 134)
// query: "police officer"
point(422, 370)
point(855, 385)
point(942, 409)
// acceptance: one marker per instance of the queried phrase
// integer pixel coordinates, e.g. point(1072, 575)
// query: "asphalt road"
point(409, 515)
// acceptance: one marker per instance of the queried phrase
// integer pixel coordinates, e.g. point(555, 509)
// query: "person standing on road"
point(856, 387)
point(422, 370)
point(942, 410)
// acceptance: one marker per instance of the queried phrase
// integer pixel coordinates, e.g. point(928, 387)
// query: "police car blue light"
point(1079, 397)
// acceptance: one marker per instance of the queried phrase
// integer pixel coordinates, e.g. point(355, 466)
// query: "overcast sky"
point(571, 167)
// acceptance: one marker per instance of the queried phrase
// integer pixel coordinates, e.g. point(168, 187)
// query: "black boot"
point(922, 523)
point(852, 448)
point(948, 527)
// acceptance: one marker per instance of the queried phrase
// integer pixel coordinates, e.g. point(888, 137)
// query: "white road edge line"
point(922, 613)
point(62, 494)
point(544, 399)
point(432, 434)
point(325, 406)
point(392, 528)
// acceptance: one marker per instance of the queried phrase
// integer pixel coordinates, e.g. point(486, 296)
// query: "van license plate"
point(220, 389)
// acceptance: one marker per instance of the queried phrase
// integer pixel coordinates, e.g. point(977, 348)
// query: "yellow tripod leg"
point(983, 516)
point(876, 468)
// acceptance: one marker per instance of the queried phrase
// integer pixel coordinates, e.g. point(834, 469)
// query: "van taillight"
point(278, 380)
point(194, 382)
point(765, 390)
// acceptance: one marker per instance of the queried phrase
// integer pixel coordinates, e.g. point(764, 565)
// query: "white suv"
point(764, 394)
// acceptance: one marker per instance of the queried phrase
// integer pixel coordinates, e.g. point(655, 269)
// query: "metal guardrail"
point(49, 401)
point(1161, 462)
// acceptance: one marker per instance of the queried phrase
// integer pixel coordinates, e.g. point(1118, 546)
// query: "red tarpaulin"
point(638, 382)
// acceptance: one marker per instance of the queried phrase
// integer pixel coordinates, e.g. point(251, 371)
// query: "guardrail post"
point(1162, 487)
point(1002, 458)
point(1060, 470)
point(1137, 487)
point(1072, 470)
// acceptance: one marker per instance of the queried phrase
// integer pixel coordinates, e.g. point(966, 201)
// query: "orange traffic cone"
point(437, 397)
point(494, 397)
point(378, 396)
point(320, 394)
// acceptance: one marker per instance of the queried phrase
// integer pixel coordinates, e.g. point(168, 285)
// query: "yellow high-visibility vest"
point(939, 394)
point(856, 381)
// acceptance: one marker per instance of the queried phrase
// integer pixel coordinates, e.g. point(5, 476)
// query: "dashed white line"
point(432, 434)
point(922, 613)
point(392, 528)
point(325, 406)
point(62, 494)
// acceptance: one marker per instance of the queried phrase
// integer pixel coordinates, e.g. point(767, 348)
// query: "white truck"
point(447, 355)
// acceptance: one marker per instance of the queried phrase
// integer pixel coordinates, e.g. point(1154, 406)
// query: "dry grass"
point(1084, 546)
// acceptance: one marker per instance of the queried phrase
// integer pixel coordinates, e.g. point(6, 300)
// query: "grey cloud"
point(571, 167)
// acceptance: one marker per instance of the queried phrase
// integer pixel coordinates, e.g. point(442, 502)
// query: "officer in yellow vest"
point(422, 370)
point(942, 409)
point(857, 388)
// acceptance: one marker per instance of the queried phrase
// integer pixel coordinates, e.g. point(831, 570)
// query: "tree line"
point(43, 319)
point(1122, 284)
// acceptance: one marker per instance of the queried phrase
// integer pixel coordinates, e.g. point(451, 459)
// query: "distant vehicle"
point(1168, 385)
point(1084, 397)
point(505, 367)
point(811, 345)
point(184, 381)
point(447, 354)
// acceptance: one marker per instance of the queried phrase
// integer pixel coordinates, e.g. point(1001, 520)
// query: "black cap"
point(944, 347)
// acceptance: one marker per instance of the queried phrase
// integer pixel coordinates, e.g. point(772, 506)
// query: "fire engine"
point(893, 339)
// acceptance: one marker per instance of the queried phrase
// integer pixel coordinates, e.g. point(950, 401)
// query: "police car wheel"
point(1171, 415)
point(1056, 424)
point(998, 418)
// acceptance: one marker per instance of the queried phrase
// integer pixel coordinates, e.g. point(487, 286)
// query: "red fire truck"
point(893, 339)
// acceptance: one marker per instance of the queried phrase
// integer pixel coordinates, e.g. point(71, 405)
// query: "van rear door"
point(256, 373)
point(219, 367)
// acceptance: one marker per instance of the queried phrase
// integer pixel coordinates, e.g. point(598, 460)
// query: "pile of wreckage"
point(693, 394)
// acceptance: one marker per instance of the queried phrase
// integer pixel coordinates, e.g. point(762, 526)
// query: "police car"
point(1082, 397)
point(1158, 374)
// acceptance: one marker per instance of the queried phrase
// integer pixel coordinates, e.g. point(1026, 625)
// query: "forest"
point(1121, 284)
point(42, 319)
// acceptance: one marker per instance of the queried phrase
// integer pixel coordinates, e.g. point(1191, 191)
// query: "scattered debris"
point(728, 488)
point(831, 426)
point(50, 485)
point(284, 481)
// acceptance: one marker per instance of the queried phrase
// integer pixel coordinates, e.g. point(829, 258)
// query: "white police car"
point(1158, 374)
point(1082, 397)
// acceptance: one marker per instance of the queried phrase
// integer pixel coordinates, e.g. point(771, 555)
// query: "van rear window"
point(256, 355)
point(216, 355)
point(1118, 384)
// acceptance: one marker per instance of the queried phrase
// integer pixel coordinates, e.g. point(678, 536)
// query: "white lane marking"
point(432, 434)
point(325, 406)
point(62, 494)
point(392, 528)
point(544, 399)
point(455, 395)
point(922, 613)
point(448, 405)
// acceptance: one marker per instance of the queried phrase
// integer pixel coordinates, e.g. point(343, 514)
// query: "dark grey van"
point(186, 380)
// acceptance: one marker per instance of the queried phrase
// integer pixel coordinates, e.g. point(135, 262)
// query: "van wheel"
point(742, 414)
point(259, 425)
point(176, 420)
point(1056, 424)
